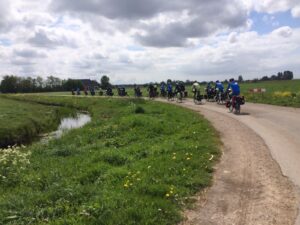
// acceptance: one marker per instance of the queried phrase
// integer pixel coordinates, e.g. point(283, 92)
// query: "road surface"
point(258, 178)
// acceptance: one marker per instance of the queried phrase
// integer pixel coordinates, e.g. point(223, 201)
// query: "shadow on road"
point(241, 114)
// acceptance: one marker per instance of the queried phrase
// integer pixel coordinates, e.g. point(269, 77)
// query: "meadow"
point(283, 93)
point(136, 162)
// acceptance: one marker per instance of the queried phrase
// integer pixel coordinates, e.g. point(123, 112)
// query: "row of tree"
point(286, 75)
point(15, 84)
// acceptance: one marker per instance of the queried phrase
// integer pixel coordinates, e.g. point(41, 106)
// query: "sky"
point(138, 41)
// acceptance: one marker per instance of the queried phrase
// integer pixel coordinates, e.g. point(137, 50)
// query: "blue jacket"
point(234, 87)
point(170, 88)
point(220, 86)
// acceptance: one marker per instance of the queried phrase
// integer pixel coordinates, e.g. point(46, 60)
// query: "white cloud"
point(190, 39)
point(296, 11)
point(283, 31)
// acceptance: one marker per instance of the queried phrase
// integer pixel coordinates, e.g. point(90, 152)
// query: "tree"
point(288, 75)
point(70, 85)
point(265, 78)
point(105, 82)
point(40, 82)
point(9, 84)
point(240, 79)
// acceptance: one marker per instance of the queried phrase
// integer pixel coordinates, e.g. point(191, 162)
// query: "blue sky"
point(264, 23)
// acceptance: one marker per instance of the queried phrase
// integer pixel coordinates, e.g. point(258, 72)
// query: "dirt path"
point(249, 187)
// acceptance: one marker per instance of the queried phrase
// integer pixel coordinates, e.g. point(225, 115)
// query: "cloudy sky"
point(136, 41)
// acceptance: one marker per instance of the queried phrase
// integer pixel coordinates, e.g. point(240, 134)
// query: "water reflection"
point(68, 124)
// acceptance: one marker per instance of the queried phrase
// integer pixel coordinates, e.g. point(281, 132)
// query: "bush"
point(139, 110)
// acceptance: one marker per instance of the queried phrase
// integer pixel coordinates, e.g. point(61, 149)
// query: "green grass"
point(137, 162)
point(20, 122)
point(291, 87)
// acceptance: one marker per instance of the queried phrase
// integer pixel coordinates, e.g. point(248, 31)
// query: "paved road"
point(258, 178)
point(280, 129)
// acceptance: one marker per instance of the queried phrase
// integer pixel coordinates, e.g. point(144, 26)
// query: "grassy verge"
point(137, 162)
point(21, 122)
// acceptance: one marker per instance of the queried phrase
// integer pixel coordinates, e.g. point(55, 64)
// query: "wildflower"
point(174, 157)
point(125, 185)
point(188, 158)
point(167, 195)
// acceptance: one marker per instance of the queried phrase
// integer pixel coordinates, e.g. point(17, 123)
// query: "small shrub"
point(139, 110)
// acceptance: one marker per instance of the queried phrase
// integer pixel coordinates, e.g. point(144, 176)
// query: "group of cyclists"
point(213, 92)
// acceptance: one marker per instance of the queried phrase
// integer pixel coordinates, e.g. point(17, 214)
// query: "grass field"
point(20, 122)
point(137, 162)
point(284, 93)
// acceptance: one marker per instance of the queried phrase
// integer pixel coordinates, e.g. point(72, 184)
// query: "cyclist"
point(178, 90)
point(151, 90)
point(219, 86)
point(182, 88)
point(235, 88)
point(196, 88)
point(163, 89)
point(170, 90)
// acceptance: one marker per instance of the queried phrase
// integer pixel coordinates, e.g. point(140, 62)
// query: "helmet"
point(231, 79)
